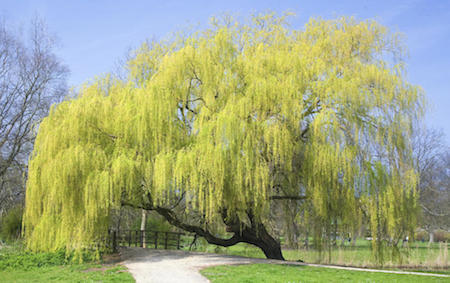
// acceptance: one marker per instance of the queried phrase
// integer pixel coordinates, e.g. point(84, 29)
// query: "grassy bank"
point(286, 273)
point(17, 265)
point(68, 273)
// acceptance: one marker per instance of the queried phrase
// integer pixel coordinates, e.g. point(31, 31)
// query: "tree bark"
point(263, 240)
point(257, 235)
point(143, 222)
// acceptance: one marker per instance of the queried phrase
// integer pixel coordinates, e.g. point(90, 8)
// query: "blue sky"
point(95, 34)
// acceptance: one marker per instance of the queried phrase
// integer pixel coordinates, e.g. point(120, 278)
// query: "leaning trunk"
point(263, 240)
point(271, 248)
point(256, 234)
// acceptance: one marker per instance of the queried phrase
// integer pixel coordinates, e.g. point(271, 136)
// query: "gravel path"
point(166, 266)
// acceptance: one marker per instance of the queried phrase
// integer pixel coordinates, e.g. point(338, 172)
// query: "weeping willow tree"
point(210, 129)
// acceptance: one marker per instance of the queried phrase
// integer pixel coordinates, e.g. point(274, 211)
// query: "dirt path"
point(166, 266)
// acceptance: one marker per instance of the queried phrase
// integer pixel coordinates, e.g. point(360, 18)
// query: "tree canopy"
point(228, 120)
point(31, 78)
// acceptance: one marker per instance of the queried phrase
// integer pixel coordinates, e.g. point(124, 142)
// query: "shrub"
point(11, 224)
point(16, 257)
point(27, 260)
point(441, 236)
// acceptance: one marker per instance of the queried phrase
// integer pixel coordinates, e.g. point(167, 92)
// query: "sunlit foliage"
point(231, 116)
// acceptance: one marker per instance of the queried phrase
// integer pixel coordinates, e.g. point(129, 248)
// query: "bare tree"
point(432, 159)
point(31, 79)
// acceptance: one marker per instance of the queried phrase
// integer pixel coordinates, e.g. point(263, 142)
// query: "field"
point(286, 273)
point(16, 265)
point(67, 273)
point(416, 256)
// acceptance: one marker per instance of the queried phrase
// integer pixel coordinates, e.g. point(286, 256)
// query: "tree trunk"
point(143, 222)
point(257, 235)
point(354, 237)
point(431, 233)
point(272, 250)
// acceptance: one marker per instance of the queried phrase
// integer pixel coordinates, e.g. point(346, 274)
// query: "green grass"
point(290, 273)
point(417, 256)
point(68, 273)
point(17, 265)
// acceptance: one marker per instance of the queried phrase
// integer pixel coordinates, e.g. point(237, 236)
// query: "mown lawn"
point(18, 265)
point(68, 273)
point(289, 273)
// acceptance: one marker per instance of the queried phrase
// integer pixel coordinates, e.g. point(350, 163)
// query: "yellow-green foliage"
point(225, 115)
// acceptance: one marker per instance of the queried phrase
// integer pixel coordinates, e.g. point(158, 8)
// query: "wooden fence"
point(144, 238)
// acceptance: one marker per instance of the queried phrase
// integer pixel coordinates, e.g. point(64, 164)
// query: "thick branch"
point(171, 217)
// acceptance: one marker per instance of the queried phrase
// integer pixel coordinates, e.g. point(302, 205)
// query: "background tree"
point(210, 129)
point(31, 79)
point(432, 160)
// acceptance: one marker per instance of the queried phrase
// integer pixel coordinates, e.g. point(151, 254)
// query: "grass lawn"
point(18, 265)
point(68, 273)
point(290, 273)
point(417, 256)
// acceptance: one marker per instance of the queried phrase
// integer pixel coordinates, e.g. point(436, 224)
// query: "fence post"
point(178, 241)
point(156, 240)
point(142, 238)
point(129, 238)
point(136, 237)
